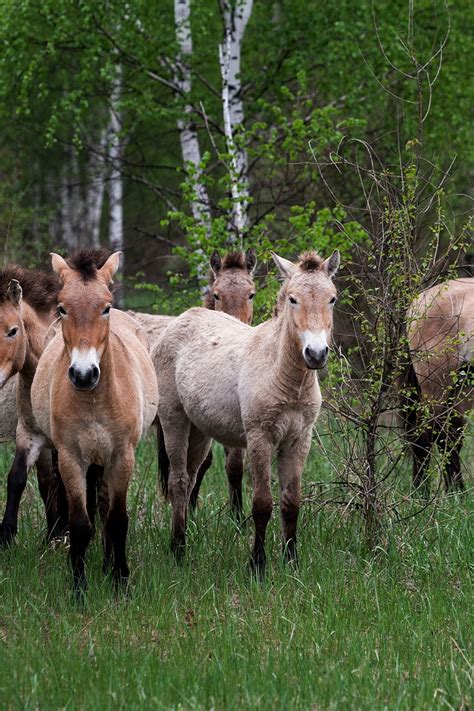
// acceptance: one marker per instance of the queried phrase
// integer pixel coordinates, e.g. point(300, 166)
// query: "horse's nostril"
point(71, 373)
point(326, 350)
point(95, 373)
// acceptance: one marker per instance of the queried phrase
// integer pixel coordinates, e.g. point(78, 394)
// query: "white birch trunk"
point(95, 190)
point(70, 202)
point(188, 137)
point(115, 155)
point(235, 21)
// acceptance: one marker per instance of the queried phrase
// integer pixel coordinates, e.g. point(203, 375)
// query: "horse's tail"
point(163, 461)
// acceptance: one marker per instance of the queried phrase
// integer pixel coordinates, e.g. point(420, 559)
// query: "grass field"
point(346, 630)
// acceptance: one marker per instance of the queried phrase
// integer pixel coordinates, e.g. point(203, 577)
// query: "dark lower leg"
point(289, 508)
point(234, 466)
point(116, 532)
point(421, 447)
point(261, 512)
point(53, 493)
point(450, 442)
point(200, 476)
point(16, 483)
point(79, 533)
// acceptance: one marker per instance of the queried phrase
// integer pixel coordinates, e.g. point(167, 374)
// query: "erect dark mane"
point(88, 261)
point(234, 260)
point(40, 289)
point(310, 262)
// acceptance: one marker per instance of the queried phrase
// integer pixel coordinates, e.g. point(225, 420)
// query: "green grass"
point(346, 630)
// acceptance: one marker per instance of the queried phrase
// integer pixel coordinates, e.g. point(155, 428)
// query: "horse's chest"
point(284, 421)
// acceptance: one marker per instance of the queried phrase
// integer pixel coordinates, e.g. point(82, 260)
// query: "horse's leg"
point(198, 450)
point(117, 477)
point(74, 476)
point(26, 455)
point(176, 431)
point(421, 444)
point(260, 459)
point(200, 476)
point(291, 460)
point(234, 466)
point(53, 494)
point(94, 477)
point(450, 441)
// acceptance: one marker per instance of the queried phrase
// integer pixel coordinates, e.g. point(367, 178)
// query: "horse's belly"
point(209, 395)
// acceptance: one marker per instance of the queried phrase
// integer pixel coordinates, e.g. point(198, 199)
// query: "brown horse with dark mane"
point(27, 309)
point(94, 394)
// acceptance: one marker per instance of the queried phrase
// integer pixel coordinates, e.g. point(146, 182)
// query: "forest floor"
point(347, 629)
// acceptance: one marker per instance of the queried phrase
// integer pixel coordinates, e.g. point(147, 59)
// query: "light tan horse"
point(27, 308)
point(231, 289)
point(441, 339)
point(248, 387)
point(94, 395)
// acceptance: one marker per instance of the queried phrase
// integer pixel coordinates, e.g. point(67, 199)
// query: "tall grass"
point(346, 629)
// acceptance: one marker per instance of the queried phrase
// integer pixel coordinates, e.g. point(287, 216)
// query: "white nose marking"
point(315, 340)
point(84, 360)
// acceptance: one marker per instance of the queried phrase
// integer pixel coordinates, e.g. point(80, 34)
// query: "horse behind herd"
point(81, 382)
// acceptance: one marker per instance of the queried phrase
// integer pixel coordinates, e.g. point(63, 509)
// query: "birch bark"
point(235, 20)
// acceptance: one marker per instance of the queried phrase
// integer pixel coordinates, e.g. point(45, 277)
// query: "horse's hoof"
point(257, 568)
point(178, 548)
point(7, 534)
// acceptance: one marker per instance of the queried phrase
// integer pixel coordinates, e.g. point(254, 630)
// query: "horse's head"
point(84, 305)
point(307, 300)
point(13, 339)
point(232, 288)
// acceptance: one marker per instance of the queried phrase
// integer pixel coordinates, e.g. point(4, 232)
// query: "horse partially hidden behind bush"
point(231, 289)
point(94, 395)
point(27, 309)
point(247, 387)
point(440, 387)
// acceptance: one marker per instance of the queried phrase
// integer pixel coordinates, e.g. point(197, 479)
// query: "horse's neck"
point(291, 377)
point(35, 326)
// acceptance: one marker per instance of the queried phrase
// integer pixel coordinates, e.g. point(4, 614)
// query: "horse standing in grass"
point(231, 290)
point(441, 340)
point(94, 395)
point(248, 387)
point(27, 309)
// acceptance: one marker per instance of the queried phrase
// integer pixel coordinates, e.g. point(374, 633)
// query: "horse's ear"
point(331, 265)
point(15, 292)
point(250, 260)
point(215, 262)
point(110, 267)
point(60, 266)
point(285, 267)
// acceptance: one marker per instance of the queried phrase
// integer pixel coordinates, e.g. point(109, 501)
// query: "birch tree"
point(235, 19)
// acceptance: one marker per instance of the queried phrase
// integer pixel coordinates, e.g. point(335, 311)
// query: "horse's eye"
point(216, 296)
point(106, 311)
point(12, 332)
point(62, 310)
point(293, 300)
point(333, 300)
point(251, 296)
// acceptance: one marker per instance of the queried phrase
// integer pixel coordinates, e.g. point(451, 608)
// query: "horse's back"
point(441, 337)
point(153, 324)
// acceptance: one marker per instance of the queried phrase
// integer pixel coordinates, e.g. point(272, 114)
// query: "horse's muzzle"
point(315, 359)
point(84, 381)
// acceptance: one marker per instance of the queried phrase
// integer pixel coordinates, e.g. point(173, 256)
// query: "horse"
point(94, 394)
point(248, 387)
point(231, 289)
point(440, 385)
point(27, 309)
